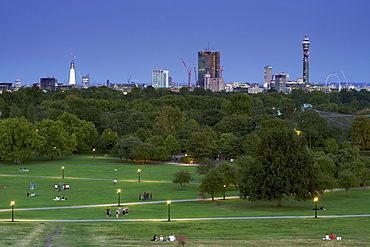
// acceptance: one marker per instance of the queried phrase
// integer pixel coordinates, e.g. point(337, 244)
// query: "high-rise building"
point(214, 84)
point(160, 78)
point(267, 76)
point(306, 46)
point(280, 82)
point(48, 83)
point(86, 81)
point(72, 74)
point(208, 63)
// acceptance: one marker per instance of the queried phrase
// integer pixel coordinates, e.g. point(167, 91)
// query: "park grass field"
point(91, 181)
point(262, 232)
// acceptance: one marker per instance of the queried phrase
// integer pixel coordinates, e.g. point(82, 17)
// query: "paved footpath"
point(179, 219)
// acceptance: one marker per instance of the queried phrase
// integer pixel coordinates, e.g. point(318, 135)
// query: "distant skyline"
point(117, 40)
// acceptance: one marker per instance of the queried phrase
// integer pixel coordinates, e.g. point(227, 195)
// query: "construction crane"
point(195, 77)
point(189, 73)
point(345, 79)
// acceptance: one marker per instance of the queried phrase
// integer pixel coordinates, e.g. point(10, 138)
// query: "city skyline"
point(118, 40)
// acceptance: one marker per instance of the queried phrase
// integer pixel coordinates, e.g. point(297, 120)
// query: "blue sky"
point(118, 39)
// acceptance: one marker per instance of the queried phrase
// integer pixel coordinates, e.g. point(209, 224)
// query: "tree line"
point(263, 133)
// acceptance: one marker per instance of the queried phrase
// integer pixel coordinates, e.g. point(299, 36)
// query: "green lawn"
point(264, 232)
point(99, 189)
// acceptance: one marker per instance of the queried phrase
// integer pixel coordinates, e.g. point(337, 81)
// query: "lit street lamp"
point(186, 158)
point(12, 204)
point(94, 152)
point(224, 191)
point(315, 200)
point(139, 171)
point(119, 197)
point(62, 171)
point(169, 210)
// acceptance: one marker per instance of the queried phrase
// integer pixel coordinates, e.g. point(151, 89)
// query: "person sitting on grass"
point(327, 237)
point(57, 198)
point(155, 238)
point(171, 237)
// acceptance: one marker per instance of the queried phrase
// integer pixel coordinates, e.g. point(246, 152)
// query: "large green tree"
point(172, 145)
point(283, 168)
point(313, 126)
point(359, 131)
point(325, 173)
point(18, 139)
point(213, 183)
point(125, 146)
point(347, 179)
point(230, 172)
point(84, 132)
point(202, 144)
point(57, 141)
point(109, 138)
point(240, 104)
point(144, 151)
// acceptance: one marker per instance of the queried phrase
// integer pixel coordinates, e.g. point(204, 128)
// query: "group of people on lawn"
point(64, 186)
point(171, 237)
point(331, 237)
point(58, 198)
point(145, 196)
point(119, 211)
point(57, 188)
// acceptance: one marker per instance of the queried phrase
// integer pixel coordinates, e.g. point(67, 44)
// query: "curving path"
point(179, 219)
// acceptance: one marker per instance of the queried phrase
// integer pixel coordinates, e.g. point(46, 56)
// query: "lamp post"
point(139, 171)
point(186, 158)
point(62, 171)
point(224, 191)
point(94, 152)
point(169, 210)
point(12, 204)
point(119, 197)
point(315, 200)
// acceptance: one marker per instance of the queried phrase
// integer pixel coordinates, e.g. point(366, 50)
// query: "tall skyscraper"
point(267, 76)
point(306, 46)
point(86, 81)
point(72, 74)
point(160, 78)
point(208, 63)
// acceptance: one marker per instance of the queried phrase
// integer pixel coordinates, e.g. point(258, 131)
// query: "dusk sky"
point(118, 39)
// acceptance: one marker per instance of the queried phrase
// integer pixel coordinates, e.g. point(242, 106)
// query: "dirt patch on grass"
point(49, 239)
